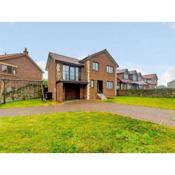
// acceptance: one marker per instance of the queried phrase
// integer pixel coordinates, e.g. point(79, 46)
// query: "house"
point(19, 66)
point(123, 81)
point(92, 77)
point(129, 79)
point(151, 81)
point(171, 84)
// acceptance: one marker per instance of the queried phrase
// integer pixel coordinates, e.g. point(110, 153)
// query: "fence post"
point(4, 92)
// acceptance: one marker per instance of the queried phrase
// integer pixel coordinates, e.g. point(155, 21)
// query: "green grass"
point(83, 132)
point(26, 103)
point(162, 103)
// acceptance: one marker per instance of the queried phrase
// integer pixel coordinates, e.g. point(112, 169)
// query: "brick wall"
point(103, 61)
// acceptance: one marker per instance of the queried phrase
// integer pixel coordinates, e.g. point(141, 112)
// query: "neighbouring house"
point(123, 81)
point(19, 66)
point(20, 77)
point(92, 77)
point(171, 84)
point(129, 79)
point(151, 81)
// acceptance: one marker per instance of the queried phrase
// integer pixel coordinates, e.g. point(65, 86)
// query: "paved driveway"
point(166, 117)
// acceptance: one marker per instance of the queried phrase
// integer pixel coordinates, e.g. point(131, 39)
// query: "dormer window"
point(125, 76)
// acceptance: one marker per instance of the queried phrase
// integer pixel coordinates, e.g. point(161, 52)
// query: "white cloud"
point(167, 76)
point(42, 65)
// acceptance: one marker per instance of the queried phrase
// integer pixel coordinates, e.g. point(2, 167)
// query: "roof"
point(74, 61)
point(132, 71)
point(173, 81)
point(121, 71)
point(98, 53)
point(150, 76)
point(63, 59)
point(16, 55)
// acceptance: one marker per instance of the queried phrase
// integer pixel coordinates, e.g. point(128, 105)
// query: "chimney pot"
point(25, 51)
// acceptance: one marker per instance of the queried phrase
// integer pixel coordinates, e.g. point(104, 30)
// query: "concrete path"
point(165, 117)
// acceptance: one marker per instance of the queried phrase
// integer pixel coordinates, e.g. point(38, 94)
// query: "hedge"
point(147, 92)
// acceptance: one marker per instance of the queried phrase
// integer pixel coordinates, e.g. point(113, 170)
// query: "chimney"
point(25, 51)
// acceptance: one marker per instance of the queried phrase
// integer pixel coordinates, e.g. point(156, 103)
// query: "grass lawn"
point(163, 103)
point(26, 103)
point(83, 132)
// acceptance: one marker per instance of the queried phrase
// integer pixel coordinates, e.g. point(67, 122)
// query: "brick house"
point(90, 78)
point(132, 80)
point(19, 66)
point(151, 81)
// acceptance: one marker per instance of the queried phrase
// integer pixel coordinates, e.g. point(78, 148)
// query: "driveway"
point(165, 117)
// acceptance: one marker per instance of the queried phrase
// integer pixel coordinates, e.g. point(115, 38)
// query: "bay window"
point(71, 73)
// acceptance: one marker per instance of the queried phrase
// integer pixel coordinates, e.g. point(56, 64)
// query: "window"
point(95, 66)
point(92, 83)
point(109, 84)
point(109, 69)
point(134, 77)
point(71, 73)
point(8, 69)
point(76, 73)
point(125, 76)
point(65, 72)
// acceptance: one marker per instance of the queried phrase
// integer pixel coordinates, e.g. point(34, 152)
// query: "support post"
point(4, 92)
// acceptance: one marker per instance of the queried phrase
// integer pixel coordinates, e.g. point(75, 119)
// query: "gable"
point(14, 57)
point(103, 52)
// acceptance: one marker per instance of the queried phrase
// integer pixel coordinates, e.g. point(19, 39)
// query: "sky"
point(146, 47)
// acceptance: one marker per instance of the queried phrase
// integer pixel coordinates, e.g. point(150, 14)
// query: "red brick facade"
point(25, 67)
point(83, 88)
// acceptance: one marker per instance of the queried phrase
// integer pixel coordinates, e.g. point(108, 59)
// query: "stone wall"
point(147, 92)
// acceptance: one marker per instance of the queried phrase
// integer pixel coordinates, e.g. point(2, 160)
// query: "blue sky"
point(147, 47)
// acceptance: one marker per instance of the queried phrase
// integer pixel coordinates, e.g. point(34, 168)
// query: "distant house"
point(150, 80)
point(171, 84)
point(130, 79)
point(19, 66)
point(90, 78)
point(123, 81)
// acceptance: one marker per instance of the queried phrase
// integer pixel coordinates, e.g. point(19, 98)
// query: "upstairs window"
point(95, 66)
point(134, 77)
point(125, 76)
point(71, 73)
point(109, 69)
point(65, 72)
point(8, 69)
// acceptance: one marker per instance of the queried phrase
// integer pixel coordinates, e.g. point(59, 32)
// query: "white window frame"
point(95, 66)
point(109, 69)
point(109, 85)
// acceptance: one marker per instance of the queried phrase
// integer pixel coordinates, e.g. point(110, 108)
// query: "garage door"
point(72, 92)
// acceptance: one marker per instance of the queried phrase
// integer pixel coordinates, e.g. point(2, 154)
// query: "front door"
point(99, 86)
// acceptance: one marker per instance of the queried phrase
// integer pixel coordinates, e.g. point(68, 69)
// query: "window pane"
point(72, 73)
point(65, 72)
point(76, 73)
point(95, 66)
point(4, 68)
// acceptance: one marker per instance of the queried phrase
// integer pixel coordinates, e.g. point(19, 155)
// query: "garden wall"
point(147, 92)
